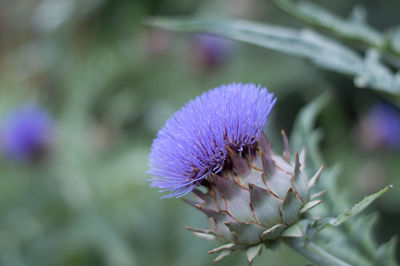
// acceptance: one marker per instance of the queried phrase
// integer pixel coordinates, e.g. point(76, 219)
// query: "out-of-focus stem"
point(314, 253)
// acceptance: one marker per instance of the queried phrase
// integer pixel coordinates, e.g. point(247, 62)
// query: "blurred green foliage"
point(109, 83)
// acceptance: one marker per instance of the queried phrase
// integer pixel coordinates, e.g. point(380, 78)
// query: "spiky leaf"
point(290, 207)
point(237, 199)
point(386, 253)
point(273, 232)
point(222, 255)
point(293, 231)
point(309, 205)
point(265, 205)
point(221, 248)
point(353, 211)
point(252, 252)
point(246, 234)
point(304, 133)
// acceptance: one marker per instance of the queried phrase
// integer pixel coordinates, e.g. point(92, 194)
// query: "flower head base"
point(255, 200)
point(26, 133)
point(196, 141)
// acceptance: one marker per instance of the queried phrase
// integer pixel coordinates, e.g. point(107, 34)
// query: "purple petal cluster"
point(25, 133)
point(193, 142)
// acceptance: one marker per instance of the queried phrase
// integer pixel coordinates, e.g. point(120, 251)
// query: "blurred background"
point(84, 88)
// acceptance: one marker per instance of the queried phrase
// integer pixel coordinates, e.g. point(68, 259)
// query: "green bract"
point(255, 199)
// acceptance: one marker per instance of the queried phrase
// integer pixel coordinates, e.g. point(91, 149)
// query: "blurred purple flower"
point(381, 127)
point(26, 133)
point(210, 51)
point(193, 143)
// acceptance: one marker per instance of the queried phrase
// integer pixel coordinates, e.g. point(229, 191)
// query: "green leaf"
point(336, 197)
point(293, 231)
point(359, 207)
point(303, 43)
point(220, 248)
point(245, 233)
point(274, 246)
point(386, 253)
point(290, 207)
point(322, 51)
point(265, 205)
point(354, 28)
point(273, 232)
point(353, 211)
point(376, 74)
point(394, 36)
point(252, 252)
point(304, 133)
point(309, 205)
point(362, 232)
point(205, 236)
point(222, 255)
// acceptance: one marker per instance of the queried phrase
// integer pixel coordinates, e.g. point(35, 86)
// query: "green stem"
point(314, 253)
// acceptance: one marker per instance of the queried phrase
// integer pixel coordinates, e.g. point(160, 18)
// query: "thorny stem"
point(314, 253)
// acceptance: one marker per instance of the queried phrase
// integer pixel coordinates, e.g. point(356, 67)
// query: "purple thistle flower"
point(193, 143)
point(381, 128)
point(26, 133)
point(210, 51)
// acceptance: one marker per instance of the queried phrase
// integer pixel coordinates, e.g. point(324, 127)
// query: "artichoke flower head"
point(215, 148)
